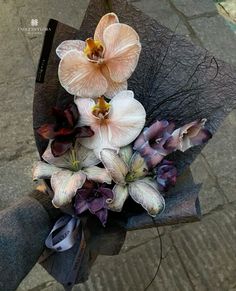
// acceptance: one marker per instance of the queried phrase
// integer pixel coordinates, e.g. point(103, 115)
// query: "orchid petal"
point(69, 45)
point(99, 140)
point(85, 107)
point(127, 118)
point(65, 184)
point(42, 170)
point(126, 153)
point(138, 166)
point(113, 87)
point(81, 77)
point(97, 174)
point(120, 195)
point(114, 165)
point(146, 195)
point(122, 50)
point(104, 22)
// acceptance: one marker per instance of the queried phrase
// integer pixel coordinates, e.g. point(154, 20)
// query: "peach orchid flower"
point(115, 124)
point(100, 65)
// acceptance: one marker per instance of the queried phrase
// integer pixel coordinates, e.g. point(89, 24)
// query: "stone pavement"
point(199, 256)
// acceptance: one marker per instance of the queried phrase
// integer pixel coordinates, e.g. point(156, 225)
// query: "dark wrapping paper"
point(174, 80)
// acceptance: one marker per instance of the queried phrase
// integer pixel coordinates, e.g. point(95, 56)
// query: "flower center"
point(74, 161)
point(94, 49)
point(101, 109)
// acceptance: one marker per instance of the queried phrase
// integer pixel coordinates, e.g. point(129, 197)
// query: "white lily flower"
point(68, 172)
point(130, 174)
point(115, 124)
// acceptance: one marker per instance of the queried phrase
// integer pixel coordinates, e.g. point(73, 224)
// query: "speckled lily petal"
point(65, 184)
point(138, 166)
point(114, 165)
point(97, 174)
point(42, 170)
point(126, 153)
point(86, 157)
point(146, 195)
point(120, 195)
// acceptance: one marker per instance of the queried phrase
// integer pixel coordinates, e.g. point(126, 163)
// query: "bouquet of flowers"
point(99, 157)
point(99, 152)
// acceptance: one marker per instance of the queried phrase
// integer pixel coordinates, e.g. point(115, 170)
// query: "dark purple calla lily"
point(95, 198)
point(64, 130)
point(166, 174)
point(160, 139)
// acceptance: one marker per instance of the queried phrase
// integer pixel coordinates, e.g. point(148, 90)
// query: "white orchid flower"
point(129, 172)
point(115, 124)
point(68, 172)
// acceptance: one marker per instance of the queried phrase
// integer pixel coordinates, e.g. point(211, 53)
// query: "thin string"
point(160, 259)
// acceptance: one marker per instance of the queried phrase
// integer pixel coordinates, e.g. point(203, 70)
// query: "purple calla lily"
point(95, 198)
point(166, 175)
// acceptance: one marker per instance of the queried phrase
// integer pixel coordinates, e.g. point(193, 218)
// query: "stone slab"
point(192, 7)
point(208, 251)
point(162, 12)
point(15, 56)
point(70, 12)
point(216, 37)
point(220, 155)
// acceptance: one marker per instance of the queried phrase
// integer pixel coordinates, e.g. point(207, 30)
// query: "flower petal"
point(96, 204)
point(114, 165)
point(60, 146)
point(47, 131)
point(138, 166)
point(113, 87)
point(80, 77)
point(86, 157)
point(61, 161)
point(146, 195)
point(120, 195)
point(69, 45)
point(190, 135)
point(85, 107)
point(126, 118)
point(126, 153)
point(42, 170)
point(102, 215)
point(97, 174)
point(122, 50)
point(65, 184)
point(104, 22)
